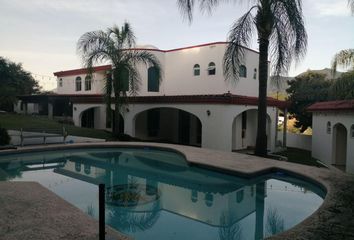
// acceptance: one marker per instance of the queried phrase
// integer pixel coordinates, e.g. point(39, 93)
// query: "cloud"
point(332, 8)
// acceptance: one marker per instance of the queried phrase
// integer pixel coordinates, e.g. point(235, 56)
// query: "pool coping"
point(332, 218)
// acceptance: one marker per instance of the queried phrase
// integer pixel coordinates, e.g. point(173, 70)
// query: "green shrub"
point(4, 137)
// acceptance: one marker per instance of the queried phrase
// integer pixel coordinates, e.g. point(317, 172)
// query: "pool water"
point(155, 194)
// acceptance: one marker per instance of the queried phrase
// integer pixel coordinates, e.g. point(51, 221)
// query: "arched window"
point(78, 167)
point(211, 68)
point(255, 73)
point(124, 80)
point(352, 131)
point(194, 196)
point(88, 81)
point(209, 198)
point(87, 169)
point(60, 82)
point(196, 70)
point(239, 196)
point(153, 80)
point(78, 84)
point(243, 71)
point(329, 127)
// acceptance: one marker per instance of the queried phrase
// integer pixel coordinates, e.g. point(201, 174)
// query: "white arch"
point(339, 144)
point(243, 138)
point(169, 125)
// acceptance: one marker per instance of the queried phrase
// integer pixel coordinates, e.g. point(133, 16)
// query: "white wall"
point(295, 140)
point(216, 128)
point(97, 84)
point(322, 145)
point(178, 77)
point(27, 108)
point(99, 117)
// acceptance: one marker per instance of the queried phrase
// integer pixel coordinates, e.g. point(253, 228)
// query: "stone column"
point(285, 126)
point(50, 110)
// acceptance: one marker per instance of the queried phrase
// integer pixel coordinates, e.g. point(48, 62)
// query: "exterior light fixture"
point(208, 112)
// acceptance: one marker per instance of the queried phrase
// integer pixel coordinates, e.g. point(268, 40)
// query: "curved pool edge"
point(332, 218)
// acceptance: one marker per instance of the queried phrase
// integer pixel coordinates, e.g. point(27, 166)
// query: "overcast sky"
point(42, 34)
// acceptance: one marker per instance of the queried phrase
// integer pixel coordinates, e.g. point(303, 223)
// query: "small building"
point(333, 133)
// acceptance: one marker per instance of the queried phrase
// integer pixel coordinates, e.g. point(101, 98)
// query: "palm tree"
point(344, 58)
point(115, 45)
point(351, 5)
point(279, 26)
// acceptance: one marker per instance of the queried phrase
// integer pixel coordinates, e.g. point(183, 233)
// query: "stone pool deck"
point(30, 211)
point(333, 220)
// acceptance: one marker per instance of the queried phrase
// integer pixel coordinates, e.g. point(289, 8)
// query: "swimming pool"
point(155, 194)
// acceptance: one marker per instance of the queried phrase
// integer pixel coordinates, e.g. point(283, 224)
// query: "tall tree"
point(351, 5)
point(14, 81)
point(115, 46)
point(343, 87)
point(280, 28)
point(304, 90)
point(344, 58)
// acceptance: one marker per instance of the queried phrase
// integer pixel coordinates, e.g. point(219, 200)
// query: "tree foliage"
point(343, 87)
point(4, 136)
point(115, 46)
point(344, 58)
point(304, 90)
point(14, 81)
point(281, 33)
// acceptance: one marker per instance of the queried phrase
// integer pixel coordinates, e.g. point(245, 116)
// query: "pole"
point(285, 127)
point(101, 211)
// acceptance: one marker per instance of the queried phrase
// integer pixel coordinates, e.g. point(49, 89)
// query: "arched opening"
point(90, 118)
point(339, 145)
point(244, 130)
point(243, 71)
point(168, 125)
point(88, 83)
point(78, 84)
point(196, 70)
point(111, 122)
point(211, 68)
point(153, 80)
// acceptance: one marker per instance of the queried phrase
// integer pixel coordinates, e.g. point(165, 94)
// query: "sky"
point(42, 34)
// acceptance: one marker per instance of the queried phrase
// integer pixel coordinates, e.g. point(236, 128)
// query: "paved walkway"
point(15, 139)
point(30, 211)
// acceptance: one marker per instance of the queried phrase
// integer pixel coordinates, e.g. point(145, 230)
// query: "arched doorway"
point(113, 122)
point(168, 125)
point(244, 130)
point(88, 118)
point(339, 145)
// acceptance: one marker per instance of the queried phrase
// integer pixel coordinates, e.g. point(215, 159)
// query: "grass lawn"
point(17, 121)
point(296, 155)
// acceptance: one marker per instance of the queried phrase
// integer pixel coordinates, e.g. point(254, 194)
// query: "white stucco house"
point(193, 105)
point(333, 133)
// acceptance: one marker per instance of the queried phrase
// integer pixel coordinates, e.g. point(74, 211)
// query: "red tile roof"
point(341, 105)
point(81, 71)
point(201, 99)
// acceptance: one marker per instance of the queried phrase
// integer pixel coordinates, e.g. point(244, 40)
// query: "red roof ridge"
point(81, 70)
point(336, 105)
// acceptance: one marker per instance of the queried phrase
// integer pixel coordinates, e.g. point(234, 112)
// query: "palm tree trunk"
point(261, 142)
point(116, 118)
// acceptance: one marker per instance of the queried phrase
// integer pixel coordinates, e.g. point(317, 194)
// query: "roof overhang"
point(340, 105)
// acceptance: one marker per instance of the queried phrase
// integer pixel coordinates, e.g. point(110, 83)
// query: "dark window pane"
point(153, 122)
point(153, 80)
